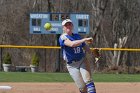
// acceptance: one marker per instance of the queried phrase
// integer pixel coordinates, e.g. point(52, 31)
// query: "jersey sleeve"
point(62, 38)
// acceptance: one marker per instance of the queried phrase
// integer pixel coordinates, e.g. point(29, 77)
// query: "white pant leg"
point(76, 75)
point(86, 74)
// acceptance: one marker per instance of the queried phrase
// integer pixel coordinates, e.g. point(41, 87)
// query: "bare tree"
point(115, 23)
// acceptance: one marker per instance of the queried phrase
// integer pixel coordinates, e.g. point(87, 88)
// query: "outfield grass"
point(63, 77)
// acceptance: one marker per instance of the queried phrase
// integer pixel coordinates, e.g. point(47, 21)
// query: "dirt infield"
point(69, 88)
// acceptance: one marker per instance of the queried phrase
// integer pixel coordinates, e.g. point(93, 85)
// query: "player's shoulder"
point(63, 36)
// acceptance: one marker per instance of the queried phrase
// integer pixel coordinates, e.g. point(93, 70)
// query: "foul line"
point(58, 47)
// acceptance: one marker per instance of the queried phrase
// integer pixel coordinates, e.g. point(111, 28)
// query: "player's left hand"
point(97, 54)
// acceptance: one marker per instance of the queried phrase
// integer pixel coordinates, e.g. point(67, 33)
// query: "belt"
point(69, 62)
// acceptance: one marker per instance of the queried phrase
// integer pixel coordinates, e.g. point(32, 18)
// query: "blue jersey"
point(71, 53)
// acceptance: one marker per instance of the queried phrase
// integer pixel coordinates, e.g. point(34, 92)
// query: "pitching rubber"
point(5, 87)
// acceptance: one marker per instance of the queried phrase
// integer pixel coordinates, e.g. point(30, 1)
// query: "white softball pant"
point(79, 73)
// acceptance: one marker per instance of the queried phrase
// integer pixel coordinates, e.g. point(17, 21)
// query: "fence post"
point(58, 56)
point(1, 59)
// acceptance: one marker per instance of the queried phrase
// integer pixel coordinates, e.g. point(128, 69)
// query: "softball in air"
point(47, 26)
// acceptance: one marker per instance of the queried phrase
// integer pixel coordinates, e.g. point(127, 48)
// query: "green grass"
point(116, 77)
point(34, 77)
point(63, 77)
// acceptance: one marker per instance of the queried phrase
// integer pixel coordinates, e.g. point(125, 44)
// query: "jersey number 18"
point(77, 50)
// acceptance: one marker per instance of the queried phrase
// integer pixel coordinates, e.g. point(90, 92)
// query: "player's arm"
point(75, 43)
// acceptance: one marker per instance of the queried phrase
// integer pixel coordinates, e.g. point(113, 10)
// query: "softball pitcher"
point(72, 46)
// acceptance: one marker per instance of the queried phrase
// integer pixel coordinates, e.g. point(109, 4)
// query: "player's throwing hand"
point(89, 40)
